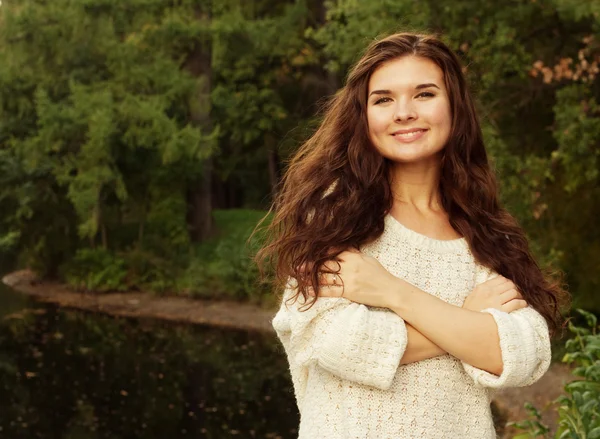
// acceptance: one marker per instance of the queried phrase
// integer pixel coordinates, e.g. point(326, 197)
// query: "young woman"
point(410, 292)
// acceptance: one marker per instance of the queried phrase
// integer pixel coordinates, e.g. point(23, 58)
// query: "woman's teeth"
point(408, 135)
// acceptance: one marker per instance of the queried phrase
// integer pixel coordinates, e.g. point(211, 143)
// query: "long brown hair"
point(336, 190)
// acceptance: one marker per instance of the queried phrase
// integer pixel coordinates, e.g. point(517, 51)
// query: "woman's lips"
point(409, 136)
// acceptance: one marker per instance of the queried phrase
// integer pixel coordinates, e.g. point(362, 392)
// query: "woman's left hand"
point(361, 279)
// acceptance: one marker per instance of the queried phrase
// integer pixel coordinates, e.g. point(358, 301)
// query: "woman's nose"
point(405, 111)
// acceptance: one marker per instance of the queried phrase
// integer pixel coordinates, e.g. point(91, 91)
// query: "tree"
point(96, 101)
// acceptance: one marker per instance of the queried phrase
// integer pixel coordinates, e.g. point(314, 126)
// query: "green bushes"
point(221, 268)
point(224, 268)
point(95, 270)
point(99, 270)
point(579, 409)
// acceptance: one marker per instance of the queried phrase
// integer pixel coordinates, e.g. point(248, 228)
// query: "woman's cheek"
point(378, 120)
point(439, 113)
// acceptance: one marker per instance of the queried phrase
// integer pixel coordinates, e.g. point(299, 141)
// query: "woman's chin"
point(414, 159)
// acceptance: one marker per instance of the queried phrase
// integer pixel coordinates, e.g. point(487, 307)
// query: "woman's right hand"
point(499, 293)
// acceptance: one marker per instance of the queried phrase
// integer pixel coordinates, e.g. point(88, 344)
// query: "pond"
point(76, 375)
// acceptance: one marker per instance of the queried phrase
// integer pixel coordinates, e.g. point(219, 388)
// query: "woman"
point(410, 292)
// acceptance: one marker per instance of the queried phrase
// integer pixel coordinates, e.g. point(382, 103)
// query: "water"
point(76, 375)
point(12, 302)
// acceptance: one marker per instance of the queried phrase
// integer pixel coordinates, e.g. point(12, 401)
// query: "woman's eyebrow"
point(428, 85)
point(380, 92)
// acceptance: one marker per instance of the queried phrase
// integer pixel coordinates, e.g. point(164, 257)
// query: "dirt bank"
point(135, 304)
point(251, 317)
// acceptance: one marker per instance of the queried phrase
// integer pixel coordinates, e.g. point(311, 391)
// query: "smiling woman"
point(415, 114)
point(409, 292)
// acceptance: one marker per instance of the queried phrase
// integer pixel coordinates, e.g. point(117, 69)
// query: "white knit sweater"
point(345, 357)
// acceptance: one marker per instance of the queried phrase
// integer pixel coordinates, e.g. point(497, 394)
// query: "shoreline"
point(223, 314)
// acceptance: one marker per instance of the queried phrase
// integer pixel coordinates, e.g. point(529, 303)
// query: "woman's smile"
point(408, 136)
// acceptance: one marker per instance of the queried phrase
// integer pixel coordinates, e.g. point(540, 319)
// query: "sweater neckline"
point(423, 241)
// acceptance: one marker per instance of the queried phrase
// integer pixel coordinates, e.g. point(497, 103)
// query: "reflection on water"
point(11, 301)
point(75, 375)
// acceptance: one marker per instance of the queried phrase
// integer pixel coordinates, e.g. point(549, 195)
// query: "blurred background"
point(141, 141)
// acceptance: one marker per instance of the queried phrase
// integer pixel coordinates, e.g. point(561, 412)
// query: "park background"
point(141, 141)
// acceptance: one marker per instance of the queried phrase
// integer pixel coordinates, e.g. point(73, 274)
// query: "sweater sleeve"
point(525, 347)
point(350, 340)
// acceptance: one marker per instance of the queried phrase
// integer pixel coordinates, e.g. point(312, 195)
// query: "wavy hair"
point(336, 190)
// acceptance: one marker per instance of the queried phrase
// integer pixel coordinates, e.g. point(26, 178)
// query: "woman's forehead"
point(408, 72)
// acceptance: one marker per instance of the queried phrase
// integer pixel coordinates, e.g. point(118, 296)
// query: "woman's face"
point(408, 110)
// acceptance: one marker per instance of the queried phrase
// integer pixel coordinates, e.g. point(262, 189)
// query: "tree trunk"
point(199, 199)
point(199, 191)
point(274, 172)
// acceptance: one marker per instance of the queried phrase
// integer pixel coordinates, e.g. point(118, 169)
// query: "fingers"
point(329, 272)
point(505, 286)
point(498, 280)
point(330, 266)
point(307, 267)
point(500, 284)
point(330, 279)
point(509, 295)
point(514, 305)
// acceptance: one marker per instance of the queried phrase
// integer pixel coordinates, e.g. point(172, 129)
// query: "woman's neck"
point(416, 185)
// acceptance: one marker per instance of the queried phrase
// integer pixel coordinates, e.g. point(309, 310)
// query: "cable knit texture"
point(345, 357)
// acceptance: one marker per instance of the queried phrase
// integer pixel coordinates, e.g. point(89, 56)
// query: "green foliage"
point(147, 271)
point(578, 10)
point(9, 240)
point(95, 270)
point(224, 268)
point(94, 102)
point(579, 409)
point(221, 268)
point(351, 25)
point(577, 133)
point(99, 271)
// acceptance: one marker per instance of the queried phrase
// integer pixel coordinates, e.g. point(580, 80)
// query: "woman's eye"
point(382, 100)
point(425, 94)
